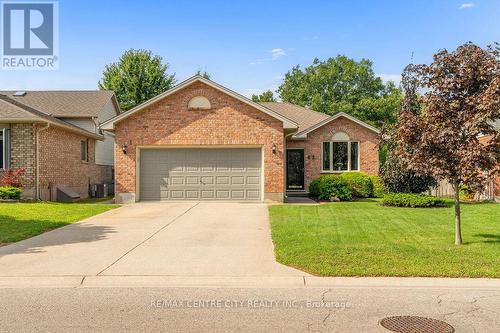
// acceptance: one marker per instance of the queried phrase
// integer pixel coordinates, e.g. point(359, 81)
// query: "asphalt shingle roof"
point(85, 103)
point(304, 117)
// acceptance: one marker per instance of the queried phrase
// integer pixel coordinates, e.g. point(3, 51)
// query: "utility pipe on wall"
point(37, 182)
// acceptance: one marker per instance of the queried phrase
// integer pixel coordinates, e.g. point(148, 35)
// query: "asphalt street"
point(335, 309)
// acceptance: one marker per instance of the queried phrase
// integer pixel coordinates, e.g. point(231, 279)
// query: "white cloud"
point(277, 53)
point(396, 78)
point(467, 5)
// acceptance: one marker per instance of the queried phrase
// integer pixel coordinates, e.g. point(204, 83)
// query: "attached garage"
point(200, 174)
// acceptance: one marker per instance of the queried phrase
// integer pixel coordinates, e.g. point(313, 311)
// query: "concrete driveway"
point(154, 239)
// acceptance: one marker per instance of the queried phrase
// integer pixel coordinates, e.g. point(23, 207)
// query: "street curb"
point(134, 281)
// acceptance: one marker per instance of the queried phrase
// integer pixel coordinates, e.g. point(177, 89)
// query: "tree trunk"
point(458, 227)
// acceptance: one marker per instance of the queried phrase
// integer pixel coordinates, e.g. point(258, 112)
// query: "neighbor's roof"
point(287, 122)
point(13, 111)
point(304, 117)
point(66, 104)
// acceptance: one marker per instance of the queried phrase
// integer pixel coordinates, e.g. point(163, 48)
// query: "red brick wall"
point(60, 163)
point(170, 122)
point(496, 178)
point(22, 154)
point(313, 146)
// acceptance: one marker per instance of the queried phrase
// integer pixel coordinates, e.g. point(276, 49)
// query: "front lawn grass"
point(363, 238)
point(19, 221)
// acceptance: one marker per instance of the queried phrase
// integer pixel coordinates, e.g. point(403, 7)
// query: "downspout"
point(37, 182)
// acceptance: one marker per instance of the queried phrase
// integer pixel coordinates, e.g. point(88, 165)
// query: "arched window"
point(199, 103)
point(340, 154)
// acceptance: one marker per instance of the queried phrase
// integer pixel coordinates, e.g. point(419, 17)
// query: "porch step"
point(297, 194)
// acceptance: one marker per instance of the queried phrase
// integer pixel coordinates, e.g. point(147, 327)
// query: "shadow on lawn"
point(61, 233)
point(488, 238)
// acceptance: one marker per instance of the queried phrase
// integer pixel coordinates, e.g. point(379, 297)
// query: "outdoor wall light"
point(124, 148)
point(273, 148)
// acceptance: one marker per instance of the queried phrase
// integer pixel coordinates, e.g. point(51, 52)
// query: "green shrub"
point(411, 200)
point(399, 179)
point(314, 187)
point(359, 183)
point(330, 186)
point(8, 192)
point(378, 187)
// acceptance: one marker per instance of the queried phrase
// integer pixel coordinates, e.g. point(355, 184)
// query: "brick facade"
point(23, 154)
point(170, 122)
point(495, 174)
point(61, 164)
point(59, 160)
point(313, 146)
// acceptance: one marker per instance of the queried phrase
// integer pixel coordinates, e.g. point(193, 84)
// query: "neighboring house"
point(55, 135)
point(202, 141)
point(492, 189)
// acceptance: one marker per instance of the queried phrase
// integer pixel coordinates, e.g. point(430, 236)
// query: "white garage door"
point(200, 174)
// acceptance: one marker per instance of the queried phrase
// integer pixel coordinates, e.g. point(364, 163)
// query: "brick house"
point(492, 189)
point(202, 141)
point(55, 135)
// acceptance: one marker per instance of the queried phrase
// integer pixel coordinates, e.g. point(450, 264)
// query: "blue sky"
point(249, 45)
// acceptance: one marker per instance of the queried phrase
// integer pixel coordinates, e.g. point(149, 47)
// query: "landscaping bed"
point(364, 238)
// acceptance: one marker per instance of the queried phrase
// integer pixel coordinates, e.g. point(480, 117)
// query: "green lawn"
point(23, 220)
point(362, 238)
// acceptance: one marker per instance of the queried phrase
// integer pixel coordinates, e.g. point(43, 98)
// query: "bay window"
point(340, 156)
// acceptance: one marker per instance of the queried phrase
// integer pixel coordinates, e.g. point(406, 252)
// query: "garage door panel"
point(200, 174)
point(192, 180)
point(222, 180)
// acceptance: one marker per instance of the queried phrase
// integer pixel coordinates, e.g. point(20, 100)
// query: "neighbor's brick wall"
point(313, 146)
point(23, 154)
point(61, 165)
point(229, 122)
point(496, 177)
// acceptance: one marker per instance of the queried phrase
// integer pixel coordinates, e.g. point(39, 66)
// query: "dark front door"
point(295, 169)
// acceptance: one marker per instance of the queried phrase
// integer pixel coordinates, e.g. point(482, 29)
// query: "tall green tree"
point(136, 77)
point(437, 132)
point(342, 84)
point(266, 96)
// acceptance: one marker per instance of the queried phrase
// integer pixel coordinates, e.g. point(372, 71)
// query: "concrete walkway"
point(182, 239)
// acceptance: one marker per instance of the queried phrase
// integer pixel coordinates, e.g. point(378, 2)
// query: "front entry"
point(295, 169)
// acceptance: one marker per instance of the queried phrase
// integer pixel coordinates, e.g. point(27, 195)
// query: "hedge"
point(330, 186)
point(411, 200)
point(359, 183)
point(378, 187)
point(8, 192)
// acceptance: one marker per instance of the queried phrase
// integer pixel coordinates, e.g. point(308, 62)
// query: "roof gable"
point(287, 123)
point(303, 134)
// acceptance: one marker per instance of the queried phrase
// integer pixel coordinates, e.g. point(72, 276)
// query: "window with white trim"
point(340, 154)
point(3, 148)
point(84, 150)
